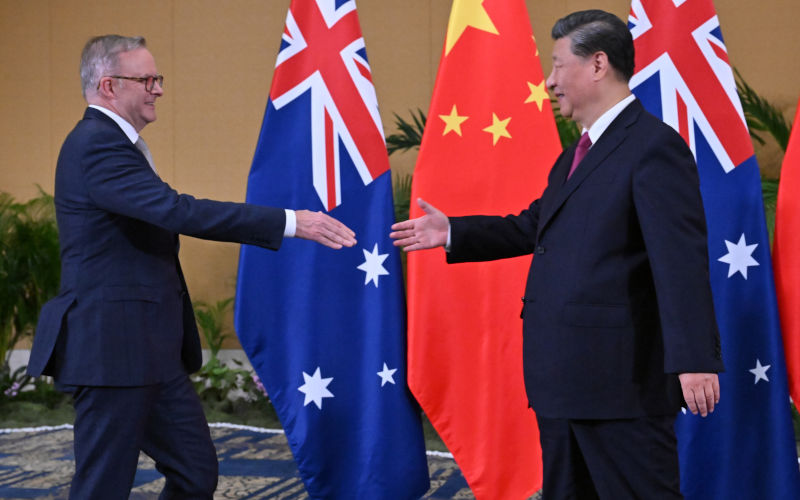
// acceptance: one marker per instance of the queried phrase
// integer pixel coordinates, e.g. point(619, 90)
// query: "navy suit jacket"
point(618, 300)
point(123, 316)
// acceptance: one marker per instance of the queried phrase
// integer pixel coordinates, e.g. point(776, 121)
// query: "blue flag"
point(746, 448)
point(325, 329)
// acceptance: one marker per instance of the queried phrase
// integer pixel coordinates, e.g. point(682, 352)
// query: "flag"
point(488, 145)
point(325, 329)
point(786, 252)
point(746, 448)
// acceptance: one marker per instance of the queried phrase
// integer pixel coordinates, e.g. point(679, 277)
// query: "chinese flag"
point(488, 145)
point(786, 257)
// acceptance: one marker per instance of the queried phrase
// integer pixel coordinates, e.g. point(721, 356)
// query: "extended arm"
point(117, 183)
point(324, 229)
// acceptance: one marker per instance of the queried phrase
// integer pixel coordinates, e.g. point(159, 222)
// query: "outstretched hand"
point(701, 391)
point(428, 231)
point(324, 229)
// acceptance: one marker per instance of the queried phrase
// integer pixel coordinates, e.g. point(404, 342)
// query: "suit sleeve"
point(484, 237)
point(672, 220)
point(119, 181)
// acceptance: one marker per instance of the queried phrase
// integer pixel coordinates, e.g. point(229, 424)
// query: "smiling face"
point(131, 100)
point(572, 82)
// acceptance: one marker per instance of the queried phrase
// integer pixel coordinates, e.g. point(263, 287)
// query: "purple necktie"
point(580, 151)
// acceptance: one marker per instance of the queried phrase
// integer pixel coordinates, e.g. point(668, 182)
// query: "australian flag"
point(325, 329)
point(746, 448)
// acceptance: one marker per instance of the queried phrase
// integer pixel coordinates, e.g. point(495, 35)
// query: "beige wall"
point(218, 56)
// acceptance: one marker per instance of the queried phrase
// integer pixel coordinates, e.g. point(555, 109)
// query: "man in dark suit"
point(121, 333)
point(618, 320)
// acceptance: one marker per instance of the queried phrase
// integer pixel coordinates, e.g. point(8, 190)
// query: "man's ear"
point(106, 87)
point(600, 65)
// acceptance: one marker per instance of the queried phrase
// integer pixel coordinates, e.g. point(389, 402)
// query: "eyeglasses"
point(149, 81)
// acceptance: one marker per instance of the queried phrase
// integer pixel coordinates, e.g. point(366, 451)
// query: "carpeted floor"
point(254, 463)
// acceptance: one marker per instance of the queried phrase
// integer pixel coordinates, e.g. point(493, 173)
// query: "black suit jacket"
point(618, 300)
point(123, 316)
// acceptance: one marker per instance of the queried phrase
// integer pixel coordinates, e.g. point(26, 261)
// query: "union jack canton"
point(746, 448)
point(322, 50)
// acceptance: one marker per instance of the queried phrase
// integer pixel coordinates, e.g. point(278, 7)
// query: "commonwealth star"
point(315, 388)
point(739, 257)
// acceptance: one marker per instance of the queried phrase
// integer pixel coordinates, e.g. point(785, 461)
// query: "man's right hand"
point(428, 231)
point(700, 391)
point(324, 229)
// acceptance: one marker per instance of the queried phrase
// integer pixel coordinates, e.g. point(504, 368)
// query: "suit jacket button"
point(540, 249)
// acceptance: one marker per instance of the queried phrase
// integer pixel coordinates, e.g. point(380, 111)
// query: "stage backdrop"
point(218, 60)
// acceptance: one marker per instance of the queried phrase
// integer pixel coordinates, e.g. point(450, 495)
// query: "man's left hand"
point(701, 391)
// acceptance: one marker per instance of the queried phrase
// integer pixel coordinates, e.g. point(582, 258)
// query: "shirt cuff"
point(448, 245)
point(291, 224)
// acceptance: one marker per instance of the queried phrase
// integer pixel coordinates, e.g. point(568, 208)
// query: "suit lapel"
point(94, 114)
point(609, 141)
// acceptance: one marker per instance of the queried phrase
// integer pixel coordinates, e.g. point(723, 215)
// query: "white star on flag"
point(373, 265)
point(739, 257)
point(315, 388)
point(760, 371)
point(386, 375)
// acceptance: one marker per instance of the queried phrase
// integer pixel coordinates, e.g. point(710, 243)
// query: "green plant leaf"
point(409, 134)
point(762, 115)
point(211, 322)
point(401, 187)
point(29, 266)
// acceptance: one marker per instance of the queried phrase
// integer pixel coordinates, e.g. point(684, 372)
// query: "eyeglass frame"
point(152, 79)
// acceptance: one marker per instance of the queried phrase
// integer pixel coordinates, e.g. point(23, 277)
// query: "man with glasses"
point(121, 334)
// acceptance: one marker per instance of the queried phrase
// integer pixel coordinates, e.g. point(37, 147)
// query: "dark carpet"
point(253, 463)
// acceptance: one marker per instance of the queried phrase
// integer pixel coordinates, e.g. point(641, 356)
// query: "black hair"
point(592, 31)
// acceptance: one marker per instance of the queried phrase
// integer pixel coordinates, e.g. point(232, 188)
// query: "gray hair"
point(100, 57)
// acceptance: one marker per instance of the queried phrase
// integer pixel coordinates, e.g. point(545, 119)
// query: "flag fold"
point(488, 145)
point(325, 329)
point(746, 448)
point(786, 254)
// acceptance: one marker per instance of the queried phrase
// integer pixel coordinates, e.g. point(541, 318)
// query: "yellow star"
point(538, 94)
point(466, 13)
point(453, 121)
point(498, 128)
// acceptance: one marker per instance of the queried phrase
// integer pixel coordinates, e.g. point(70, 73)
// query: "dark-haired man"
point(121, 333)
point(618, 321)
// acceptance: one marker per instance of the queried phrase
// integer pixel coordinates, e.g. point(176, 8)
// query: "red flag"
point(489, 143)
point(786, 257)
